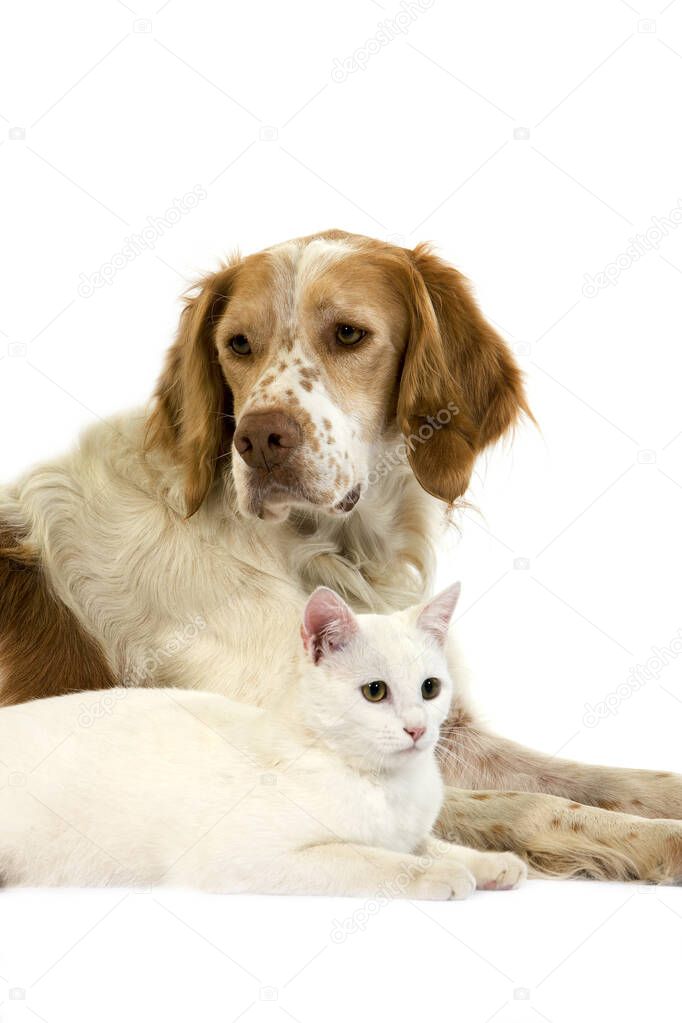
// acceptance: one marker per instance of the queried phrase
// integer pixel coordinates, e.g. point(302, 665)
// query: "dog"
point(321, 408)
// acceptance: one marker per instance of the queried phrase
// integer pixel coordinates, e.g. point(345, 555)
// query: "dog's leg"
point(561, 838)
point(473, 758)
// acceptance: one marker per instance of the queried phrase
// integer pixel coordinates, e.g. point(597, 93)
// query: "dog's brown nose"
point(265, 440)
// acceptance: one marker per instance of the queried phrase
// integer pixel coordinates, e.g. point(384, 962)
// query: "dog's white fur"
point(139, 575)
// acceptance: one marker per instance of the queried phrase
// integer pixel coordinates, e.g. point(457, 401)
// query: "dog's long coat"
point(320, 398)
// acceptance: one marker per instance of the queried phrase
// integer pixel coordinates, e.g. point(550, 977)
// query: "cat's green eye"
point(430, 688)
point(375, 692)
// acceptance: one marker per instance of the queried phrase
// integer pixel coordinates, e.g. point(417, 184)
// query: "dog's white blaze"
point(340, 459)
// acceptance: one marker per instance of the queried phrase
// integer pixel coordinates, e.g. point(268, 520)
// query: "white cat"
point(334, 793)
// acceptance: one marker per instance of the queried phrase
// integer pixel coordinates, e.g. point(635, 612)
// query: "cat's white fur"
point(325, 793)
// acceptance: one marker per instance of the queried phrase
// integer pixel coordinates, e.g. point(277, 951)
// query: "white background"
point(108, 115)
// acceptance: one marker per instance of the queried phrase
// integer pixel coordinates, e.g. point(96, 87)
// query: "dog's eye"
point(240, 344)
point(430, 688)
point(375, 692)
point(348, 335)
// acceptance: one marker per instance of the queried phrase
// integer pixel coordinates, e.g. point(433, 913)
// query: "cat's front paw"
point(442, 882)
point(498, 871)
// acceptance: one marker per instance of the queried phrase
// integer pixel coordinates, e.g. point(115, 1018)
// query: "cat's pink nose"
point(416, 733)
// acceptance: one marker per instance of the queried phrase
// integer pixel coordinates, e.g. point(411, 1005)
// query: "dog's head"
point(306, 362)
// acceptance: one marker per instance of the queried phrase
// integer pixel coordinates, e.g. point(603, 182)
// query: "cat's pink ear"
point(435, 616)
point(328, 623)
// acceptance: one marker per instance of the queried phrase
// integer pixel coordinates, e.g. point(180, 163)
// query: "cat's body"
point(173, 774)
point(332, 794)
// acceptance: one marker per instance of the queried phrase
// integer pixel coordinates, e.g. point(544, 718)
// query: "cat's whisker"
point(448, 756)
point(456, 748)
point(467, 741)
point(445, 753)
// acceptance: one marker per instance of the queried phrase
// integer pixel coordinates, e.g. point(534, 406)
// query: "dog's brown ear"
point(459, 385)
point(192, 414)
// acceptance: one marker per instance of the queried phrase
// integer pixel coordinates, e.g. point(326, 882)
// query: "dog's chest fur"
point(212, 601)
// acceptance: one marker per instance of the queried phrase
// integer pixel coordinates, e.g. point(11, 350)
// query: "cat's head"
point(378, 688)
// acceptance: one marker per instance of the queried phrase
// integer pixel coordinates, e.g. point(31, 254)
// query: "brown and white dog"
point(323, 402)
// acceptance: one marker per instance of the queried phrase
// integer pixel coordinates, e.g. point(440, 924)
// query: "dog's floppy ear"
point(459, 385)
point(193, 404)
